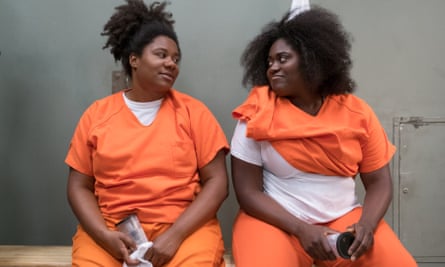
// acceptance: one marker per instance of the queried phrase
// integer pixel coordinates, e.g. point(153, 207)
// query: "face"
point(155, 71)
point(283, 70)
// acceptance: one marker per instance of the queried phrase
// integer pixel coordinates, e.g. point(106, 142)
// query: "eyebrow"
point(280, 53)
point(165, 50)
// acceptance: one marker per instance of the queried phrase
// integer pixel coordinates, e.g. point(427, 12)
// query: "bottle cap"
point(344, 241)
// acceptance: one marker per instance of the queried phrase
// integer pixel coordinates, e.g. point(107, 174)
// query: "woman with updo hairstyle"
point(301, 139)
point(149, 151)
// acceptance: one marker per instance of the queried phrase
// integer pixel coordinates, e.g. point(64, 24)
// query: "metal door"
point(419, 196)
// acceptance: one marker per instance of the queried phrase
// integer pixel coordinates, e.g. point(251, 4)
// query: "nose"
point(170, 63)
point(273, 67)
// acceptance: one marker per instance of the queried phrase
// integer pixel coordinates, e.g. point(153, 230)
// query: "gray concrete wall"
point(52, 67)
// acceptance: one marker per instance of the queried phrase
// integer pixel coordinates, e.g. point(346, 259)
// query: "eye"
point(161, 54)
point(283, 58)
point(176, 60)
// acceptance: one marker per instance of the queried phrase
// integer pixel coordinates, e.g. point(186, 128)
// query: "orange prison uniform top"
point(344, 138)
point(148, 170)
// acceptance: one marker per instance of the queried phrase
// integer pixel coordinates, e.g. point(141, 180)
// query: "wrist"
point(298, 227)
point(368, 223)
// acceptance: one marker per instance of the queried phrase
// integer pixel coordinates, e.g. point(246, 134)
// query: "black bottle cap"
point(344, 241)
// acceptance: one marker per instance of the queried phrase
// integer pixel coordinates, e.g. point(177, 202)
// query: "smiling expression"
point(156, 70)
point(283, 70)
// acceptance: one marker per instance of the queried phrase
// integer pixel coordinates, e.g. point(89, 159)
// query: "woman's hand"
point(81, 197)
point(364, 239)
point(119, 245)
point(315, 243)
point(163, 249)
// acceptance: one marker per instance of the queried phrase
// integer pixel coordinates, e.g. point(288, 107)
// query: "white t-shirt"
point(313, 198)
point(144, 111)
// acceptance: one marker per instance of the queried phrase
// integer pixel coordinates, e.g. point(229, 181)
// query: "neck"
point(142, 96)
point(310, 105)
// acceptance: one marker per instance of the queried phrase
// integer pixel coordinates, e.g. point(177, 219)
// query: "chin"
point(166, 86)
point(278, 91)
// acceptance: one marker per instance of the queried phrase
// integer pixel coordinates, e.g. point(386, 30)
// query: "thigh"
point(256, 243)
point(387, 250)
point(203, 248)
point(87, 253)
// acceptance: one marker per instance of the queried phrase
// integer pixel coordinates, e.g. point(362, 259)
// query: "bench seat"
point(35, 256)
point(46, 256)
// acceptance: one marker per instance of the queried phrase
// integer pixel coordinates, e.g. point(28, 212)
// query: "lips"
point(167, 75)
point(277, 81)
point(277, 76)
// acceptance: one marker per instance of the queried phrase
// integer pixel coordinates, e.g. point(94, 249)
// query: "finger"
point(131, 261)
point(123, 251)
point(320, 252)
point(329, 231)
point(149, 255)
point(313, 252)
point(356, 243)
point(160, 261)
point(328, 250)
point(367, 242)
point(350, 228)
point(127, 259)
point(128, 241)
point(157, 260)
point(359, 250)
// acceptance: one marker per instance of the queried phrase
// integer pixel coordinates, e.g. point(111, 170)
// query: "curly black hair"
point(320, 41)
point(133, 26)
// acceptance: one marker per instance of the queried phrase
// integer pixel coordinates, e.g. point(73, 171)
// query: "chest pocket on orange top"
point(184, 162)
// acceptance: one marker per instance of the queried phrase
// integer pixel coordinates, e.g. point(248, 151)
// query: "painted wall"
point(52, 67)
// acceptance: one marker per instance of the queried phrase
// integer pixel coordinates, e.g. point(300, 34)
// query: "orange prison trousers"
point(203, 248)
point(256, 243)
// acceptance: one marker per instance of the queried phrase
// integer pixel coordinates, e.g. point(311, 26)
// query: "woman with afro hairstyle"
point(150, 151)
point(300, 140)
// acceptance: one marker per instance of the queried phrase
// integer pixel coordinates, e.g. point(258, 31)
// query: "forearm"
point(263, 207)
point(203, 208)
point(85, 208)
point(206, 204)
point(248, 184)
point(378, 196)
point(375, 206)
point(83, 202)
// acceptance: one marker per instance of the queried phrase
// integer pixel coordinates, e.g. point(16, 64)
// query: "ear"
point(133, 60)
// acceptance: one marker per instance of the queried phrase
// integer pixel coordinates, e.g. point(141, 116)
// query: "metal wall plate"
point(419, 186)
